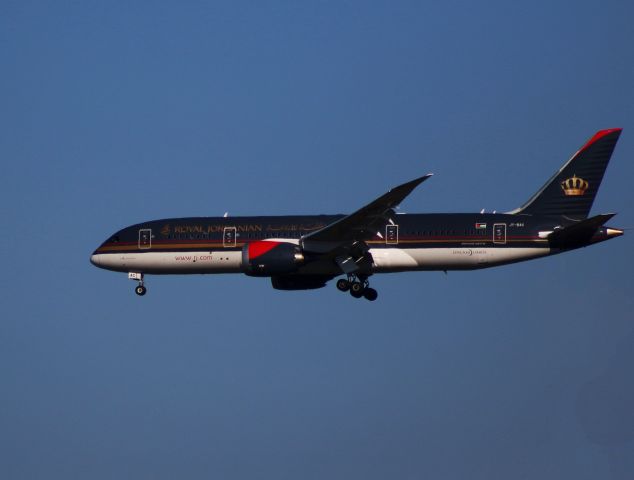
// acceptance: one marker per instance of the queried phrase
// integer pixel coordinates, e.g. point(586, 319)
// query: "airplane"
point(307, 251)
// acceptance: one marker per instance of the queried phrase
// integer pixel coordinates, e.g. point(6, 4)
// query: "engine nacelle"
point(267, 258)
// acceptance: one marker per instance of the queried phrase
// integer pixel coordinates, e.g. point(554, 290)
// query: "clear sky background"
point(114, 113)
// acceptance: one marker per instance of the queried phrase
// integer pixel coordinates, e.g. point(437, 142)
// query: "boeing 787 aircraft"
point(306, 251)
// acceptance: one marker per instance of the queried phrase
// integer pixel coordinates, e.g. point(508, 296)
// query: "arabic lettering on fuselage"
point(295, 227)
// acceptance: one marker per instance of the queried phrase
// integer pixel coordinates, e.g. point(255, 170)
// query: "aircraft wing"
point(364, 224)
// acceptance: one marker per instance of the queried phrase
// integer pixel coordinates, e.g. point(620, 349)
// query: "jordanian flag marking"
point(480, 225)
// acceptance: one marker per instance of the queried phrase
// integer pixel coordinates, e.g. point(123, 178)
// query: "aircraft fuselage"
point(459, 241)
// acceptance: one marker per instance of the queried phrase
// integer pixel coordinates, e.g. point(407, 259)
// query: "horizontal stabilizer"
point(579, 233)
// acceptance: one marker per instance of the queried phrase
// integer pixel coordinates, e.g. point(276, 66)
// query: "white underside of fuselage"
point(171, 262)
point(404, 259)
point(384, 260)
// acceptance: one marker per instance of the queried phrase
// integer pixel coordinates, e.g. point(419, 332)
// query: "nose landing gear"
point(358, 286)
point(140, 289)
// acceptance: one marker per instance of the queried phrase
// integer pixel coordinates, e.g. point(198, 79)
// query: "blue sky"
point(118, 113)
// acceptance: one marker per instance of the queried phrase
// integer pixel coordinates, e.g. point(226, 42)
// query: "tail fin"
point(571, 190)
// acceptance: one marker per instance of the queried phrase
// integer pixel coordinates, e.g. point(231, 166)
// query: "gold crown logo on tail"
point(574, 186)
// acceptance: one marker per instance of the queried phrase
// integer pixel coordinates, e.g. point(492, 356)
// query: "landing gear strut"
point(358, 286)
point(140, 289)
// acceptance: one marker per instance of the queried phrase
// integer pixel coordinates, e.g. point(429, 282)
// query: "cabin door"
point(391, 234)
point(229, 237)
point(499, 233)
point(145, 238)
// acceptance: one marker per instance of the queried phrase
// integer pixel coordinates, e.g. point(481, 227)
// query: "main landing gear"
point(358, 286)
point(140, 289)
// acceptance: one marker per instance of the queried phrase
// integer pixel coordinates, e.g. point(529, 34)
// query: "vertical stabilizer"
point(571, 191)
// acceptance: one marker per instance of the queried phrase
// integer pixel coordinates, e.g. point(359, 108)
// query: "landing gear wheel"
point(358, 286)
point(356, 289)
point(343, 285)
point(138, 277)
point(370, 294)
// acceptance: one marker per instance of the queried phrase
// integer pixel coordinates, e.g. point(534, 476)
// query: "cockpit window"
point(115, 239)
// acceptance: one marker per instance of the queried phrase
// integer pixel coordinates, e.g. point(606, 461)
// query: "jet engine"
point(267, 258)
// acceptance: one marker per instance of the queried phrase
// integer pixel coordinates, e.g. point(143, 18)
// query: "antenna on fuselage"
point(225, 215)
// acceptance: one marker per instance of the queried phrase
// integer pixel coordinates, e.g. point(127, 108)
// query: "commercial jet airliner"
point(306, 251)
